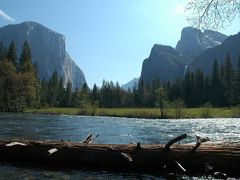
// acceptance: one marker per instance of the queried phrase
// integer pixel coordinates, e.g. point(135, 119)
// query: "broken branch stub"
point(51, 151)
point(127, 156)
point(170, 143)
point(180, 166)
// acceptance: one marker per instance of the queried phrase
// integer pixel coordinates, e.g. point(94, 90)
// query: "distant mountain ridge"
point(194, 50)
point(205, 60)
point(131, 84)
point(48, 50)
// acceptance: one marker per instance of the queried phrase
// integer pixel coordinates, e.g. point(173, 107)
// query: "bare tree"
point(212, 14)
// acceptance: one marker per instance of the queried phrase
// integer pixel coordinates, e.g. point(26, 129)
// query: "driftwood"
point(51, 151)
point(90, 139)
point(15, 143)
point(207, 158)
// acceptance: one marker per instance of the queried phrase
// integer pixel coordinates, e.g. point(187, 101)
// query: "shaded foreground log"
point(178, 159)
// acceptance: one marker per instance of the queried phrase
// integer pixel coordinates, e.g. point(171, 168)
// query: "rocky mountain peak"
point(193, 41)
point(158, 48)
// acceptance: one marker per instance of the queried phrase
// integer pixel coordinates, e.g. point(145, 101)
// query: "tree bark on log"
point(222, 158)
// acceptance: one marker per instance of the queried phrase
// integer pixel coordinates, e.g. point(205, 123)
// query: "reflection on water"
point(110, 130)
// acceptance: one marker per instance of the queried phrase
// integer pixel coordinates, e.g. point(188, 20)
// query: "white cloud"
point(6, 17)
point(179, 9)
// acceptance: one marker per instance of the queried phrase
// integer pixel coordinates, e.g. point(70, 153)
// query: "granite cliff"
point(195, 50)
point(48, 50)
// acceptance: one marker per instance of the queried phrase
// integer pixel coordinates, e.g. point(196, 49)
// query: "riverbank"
point(149, 113)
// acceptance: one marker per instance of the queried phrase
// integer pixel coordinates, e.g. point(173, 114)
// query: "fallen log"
point(179, 158)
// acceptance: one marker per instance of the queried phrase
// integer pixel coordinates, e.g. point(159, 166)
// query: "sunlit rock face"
point(48, 50)
point(193, 41)
point(163, 63)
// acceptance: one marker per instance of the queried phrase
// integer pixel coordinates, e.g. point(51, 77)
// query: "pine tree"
point(69, 94)
point(199, 88)
point(76, 98)
point(207, 89)
point(12, 54)
point(25, 61)
point(61, 93)
point(3, 52)
point(117, 95)
point(95, 93)
point(142, 94)
point(43, 94)
point(11, 95)
point(221, 89)
point(188, 89)
point(53, 90)
point(38, 86)
point(28, 76)
point(152, 94)
point(228, 81)
point(176, 90)
point(161, 99)
point(215, 85)
point(238, 82)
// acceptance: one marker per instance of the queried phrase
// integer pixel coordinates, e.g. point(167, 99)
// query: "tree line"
point(20, 88)
point(221, 88)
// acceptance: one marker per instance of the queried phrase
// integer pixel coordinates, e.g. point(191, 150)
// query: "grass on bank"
point(151, 113)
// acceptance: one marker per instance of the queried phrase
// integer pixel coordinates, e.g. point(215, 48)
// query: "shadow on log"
point(223, 158)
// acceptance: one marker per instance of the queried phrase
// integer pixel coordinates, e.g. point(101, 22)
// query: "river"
point(110, 130)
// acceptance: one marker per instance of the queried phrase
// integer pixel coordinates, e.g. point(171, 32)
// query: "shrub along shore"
point(148, 113)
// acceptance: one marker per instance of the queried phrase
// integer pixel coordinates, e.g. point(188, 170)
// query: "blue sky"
point(108, 39)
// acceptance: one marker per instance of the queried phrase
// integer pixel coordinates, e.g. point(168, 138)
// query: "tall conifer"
point(12, 54)
point(228, 81)
point(215, 85)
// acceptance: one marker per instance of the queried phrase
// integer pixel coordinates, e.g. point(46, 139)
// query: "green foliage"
point(161, 99)
point(43, 93)
point(10, 95)
point(18, 89)
point(150, 113)
point(236, 112)
point(25, 61)
point(228, 81)
point(194, 90)
point(12, 54)
point(69, 94)
point(237, 83)
point(27, 73)
point(206, 110)
point(3, 52)
point(178, 106)
point(215, 85)
point(53, 90)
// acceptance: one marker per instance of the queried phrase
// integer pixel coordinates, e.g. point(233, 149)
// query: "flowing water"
point(110, 131)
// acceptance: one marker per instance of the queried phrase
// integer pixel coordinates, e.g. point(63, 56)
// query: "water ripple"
point(110, 130)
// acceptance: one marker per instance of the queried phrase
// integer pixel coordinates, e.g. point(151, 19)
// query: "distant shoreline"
point(145, 113)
